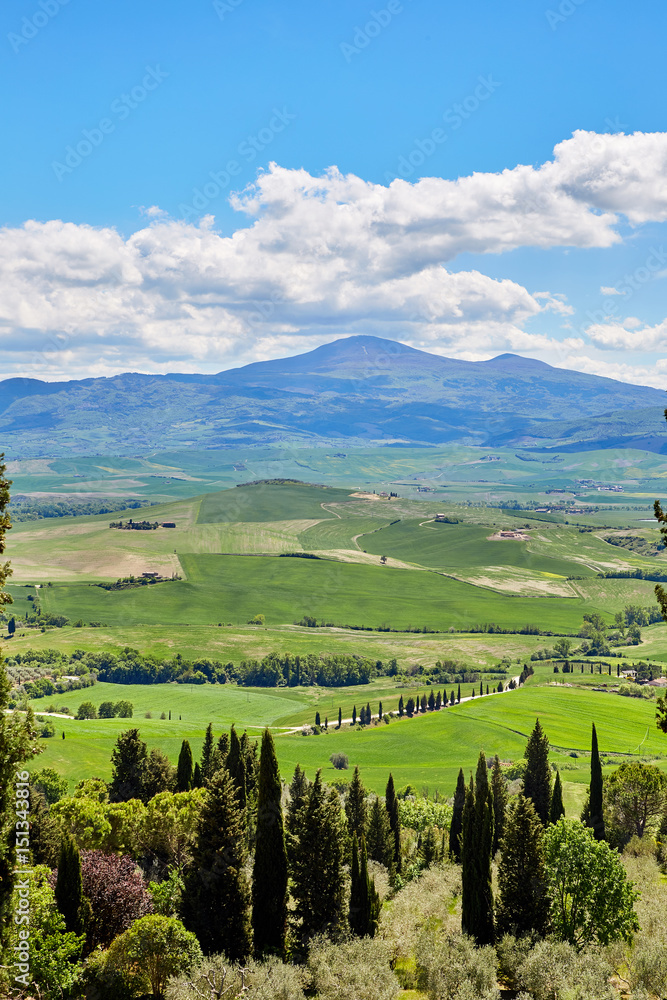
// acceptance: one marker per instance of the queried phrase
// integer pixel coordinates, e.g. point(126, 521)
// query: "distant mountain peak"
point(515, 361)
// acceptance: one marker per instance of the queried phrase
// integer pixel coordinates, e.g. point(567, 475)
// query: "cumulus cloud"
point(630, 335)
point(320, 257)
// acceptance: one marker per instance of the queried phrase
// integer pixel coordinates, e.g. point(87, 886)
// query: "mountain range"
point(358, 391)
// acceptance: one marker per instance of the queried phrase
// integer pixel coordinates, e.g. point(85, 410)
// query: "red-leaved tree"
point(117, 894)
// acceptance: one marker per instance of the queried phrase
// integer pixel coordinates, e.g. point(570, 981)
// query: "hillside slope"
point(356, 391)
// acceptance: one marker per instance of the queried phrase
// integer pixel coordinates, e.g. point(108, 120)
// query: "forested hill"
point(356, 391)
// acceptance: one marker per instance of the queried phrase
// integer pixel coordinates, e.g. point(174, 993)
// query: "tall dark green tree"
point(340, 718)
point(184, 769)
point(18, 743)
point(298, 801)
point(69, 895)
point(207, 754)
point(355, 806)
point(364, 899)
point(380, 839)
point(499, 794)
point(458, 694)
point(391, 805)
point(476, 844)
point(197, 780)
point(456, 825)
point(128, 767)
point(537, 776)
point(557, 809)
point(317, 871)
point(236, 766)
point(523, 903)
point(223, 748)
point(595, 818)
point(216, 900)
point(269, 877)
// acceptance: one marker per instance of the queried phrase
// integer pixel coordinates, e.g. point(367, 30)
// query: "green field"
point(439, 743)
point(228, 548)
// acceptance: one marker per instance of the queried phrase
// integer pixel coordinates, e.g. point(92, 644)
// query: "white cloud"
point(322, 257)
point(606, 290)
point(629, 335)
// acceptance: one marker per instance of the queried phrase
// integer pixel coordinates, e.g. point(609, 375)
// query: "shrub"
point(47, 781)
point(86, 710)
point(648, 967)
point(454, 968)
point(554, 970)
point(216, 977)
point(340, 761)
point(157, 947)
point(355, 970)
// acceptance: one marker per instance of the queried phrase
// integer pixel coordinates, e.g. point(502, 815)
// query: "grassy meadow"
point(237, 553)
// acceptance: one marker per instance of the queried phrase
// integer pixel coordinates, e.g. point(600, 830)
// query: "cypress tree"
point(423, 703)
point(69, 886)
point(499, 794)
point(364, 900)
point(537, 776)
point(340, 718)
point(438, 701)
point(431, 701)
point(456, 825)
point(596, 816)
point(487, 688)
point(269, 879)
point(369, 716)
point(207, 750)
point(197, 780)
point(380, 839)
point(380, 711)
point(128, 760)
point(481, 688)
point(458, 695)
point(556, 809)
point(469, 893)
point(223, 747)
point(355, 806)
point(354, 715)
point(523, 904)
point(317, 874)
point(400, 707)
point(216, 901)
point(298, 799)
point(317, 719)
point(477, 841)
point(429, 847)
point(235, 764)
point(391, 805)
point(451, 698)
point(184, 773)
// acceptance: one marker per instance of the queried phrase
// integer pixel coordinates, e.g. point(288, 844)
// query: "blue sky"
point(131, 122)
